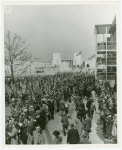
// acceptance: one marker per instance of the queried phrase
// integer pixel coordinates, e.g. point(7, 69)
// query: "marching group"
point(61, 93)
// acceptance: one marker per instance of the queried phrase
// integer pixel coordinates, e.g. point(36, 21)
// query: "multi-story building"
point(89, 65)
point(105, 46)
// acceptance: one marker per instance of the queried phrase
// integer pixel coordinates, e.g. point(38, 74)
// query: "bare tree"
point(16, 54)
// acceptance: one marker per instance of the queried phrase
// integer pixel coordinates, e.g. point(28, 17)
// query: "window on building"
point(87, 65)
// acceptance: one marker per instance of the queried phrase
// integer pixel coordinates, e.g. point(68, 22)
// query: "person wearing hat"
point(102, 119)
point(30, 139)
point(37, 115)
point(78, 123)
point(77, 101)
point(38, 136)
point(62, 107)
point(12, 103)
point(56, 104)
point(81, 109)
point(65, 123)
point(87, 124)
point(31, 125)
point(45, 107)
point(57, 139)
point(13, 135)
point(88, 104)
point(24, 135)
point(92, 108)
point(51, 108)
point(109, 123)
point(84, 139)
point(111, 106)
point(114, 128)
point(42, 118)
point(70, 108)
point(73, 135)
point(9, 127)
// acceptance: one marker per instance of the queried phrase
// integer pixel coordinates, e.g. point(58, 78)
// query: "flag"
point(92, 57)
point(79, 53)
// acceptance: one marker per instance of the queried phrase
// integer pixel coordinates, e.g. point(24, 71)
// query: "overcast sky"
point(65, 29)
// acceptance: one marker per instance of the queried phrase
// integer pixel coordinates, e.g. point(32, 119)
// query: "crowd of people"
point(61, 93)
point(108, 112)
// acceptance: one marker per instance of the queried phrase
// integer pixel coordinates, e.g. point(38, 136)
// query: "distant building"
point(58, 61)
point(37, 65)
point(90, 65)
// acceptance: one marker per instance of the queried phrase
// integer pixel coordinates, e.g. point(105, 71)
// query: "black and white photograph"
point(60, 73)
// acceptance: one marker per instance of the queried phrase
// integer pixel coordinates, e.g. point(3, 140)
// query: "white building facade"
point(90, 65)
point(58, 61)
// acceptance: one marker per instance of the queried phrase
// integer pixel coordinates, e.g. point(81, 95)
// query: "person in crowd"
point(30, 140)
point(42, 118)
point(31, 125)
point(70, 107)
point(58, 138)
point(81, 110)
point(65, 123)
point(45, 107)
point(87, 124)
point(92, 108)
point(37, 114)
point(13, 135)
point(109, 122)
point(102, 119)
point(73, 136)
point(56, 105)
point(114, 128)
point(93, 94)
point(31, 112)
point(62, 107)
point(79, 125)
point(84, 139)
point(66, 107)
point(88, 104)
point(47, 94)
point(51, 109)
point(77, 101)
point(9, 126)
point(38, 136)
point(24, 133)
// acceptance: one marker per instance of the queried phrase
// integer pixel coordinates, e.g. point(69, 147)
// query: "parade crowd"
point(35, 101)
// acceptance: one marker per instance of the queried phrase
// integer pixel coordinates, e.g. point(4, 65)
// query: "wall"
point(91, 65)
point(56, 59)
point(113, 36)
